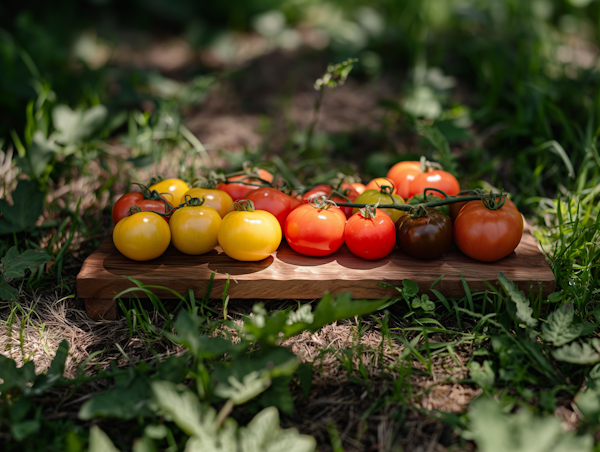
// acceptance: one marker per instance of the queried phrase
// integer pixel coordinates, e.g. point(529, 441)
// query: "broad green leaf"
point(524, 311)
point(144, 445)
point(76, 126)
point(7, 292)
point(13, 377)
point(483, 375)
point(25, 429)
point(304, 314)
point(100, 442)
point(278, 395)
point(494, 431)
point(15, 264)
point(184, 408)
point(121, 402)
point(410, 288)
point(560, 329)
point(39, 154)
point(187, 326)
point(240, 392)
point(55, 372)
point(263, 434)
point(585, 353)
point(588, 401)
point(28, 204)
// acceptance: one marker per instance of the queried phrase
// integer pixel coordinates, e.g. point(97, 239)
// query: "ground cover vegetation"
point(95, 96)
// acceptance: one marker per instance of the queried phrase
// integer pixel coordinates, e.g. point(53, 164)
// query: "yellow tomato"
point(142, 236)
point(217, 199)
point(249, 235)
point(372, 196)
point(194, 229)
point(175, 187)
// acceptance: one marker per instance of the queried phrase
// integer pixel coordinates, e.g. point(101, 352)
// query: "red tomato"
point(360, 188)
point(439, 179)
point(350, 191)
point(315, 231)
point(402, 174)
point(488, 235)
point(273, 201)
point(317, 190)
point(121, 208)
point(379, 182)
point(239, 191)
point(370, 235)
point(347, 210)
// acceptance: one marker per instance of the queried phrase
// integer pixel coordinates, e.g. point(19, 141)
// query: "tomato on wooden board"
point(172, 189)
point(488, 235)
point(420, 199)
point(440, 179)
point(370, 233)
point(402, 174)
point(194, 227)
point(425, 237)
point(315, 229)
point(374, 196)
point(379, 182)
point(142, 236)
point(121, 208)
point(217, 199)
point(454, 209)
point(273, 201)
point(239, 190)
point(247, 234)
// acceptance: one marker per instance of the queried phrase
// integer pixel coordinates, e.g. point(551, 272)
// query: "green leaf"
point(483, 376)
point(13, 377)
point(304, 373)
point(100, 442)
point(494, 431)
point(278, 395)
point(241, 391)
point(7, 293)
point(28, 204)
point(588, 401)
point(184, 408)
point(76, 126)
point(187, 326)
point(45, 381)
point(586, 353)
point(410, 288)
point(122, 402)
point(23, 430)
point(15, 265)
point(524, 311)
point(560, 329)
point(263, 434)
point(38, 156)
point(144, 445)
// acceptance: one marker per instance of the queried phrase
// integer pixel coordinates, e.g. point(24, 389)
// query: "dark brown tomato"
point(427, 237)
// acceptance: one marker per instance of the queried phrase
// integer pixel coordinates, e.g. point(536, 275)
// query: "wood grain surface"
point(289, 275)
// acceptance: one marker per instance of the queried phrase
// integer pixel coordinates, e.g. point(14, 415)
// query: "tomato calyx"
point(426, 165)
point(321, 202)
point(190, 201)
point(209, 182)
point(134, 209)
point(418, 211)
point(493, 201)
point(369, 212)
point(152, 195)
point(243, 205)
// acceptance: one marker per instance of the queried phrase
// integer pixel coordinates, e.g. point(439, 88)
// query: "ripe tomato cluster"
point(417, 207)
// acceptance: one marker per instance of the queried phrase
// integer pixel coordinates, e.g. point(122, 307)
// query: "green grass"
point(477, 86)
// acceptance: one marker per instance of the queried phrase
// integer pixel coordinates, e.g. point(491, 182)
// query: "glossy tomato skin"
point(442, 180)
point(402, 174)
point(372, 196)
point(273, 201)
point(194, 229)
point(217, 199)
point(316, 191)
point(142, 236)
point(360, 188)
point(370, 238)
point(454, 209)
point(315, 232)
point(239, 191)
point(488, 235)
point(379, 182)
point(172, 190)
point(121, 208)
point(249, 236)
point(426, 237)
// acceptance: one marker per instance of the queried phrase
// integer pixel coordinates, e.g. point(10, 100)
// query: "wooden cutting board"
point(289, 275)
